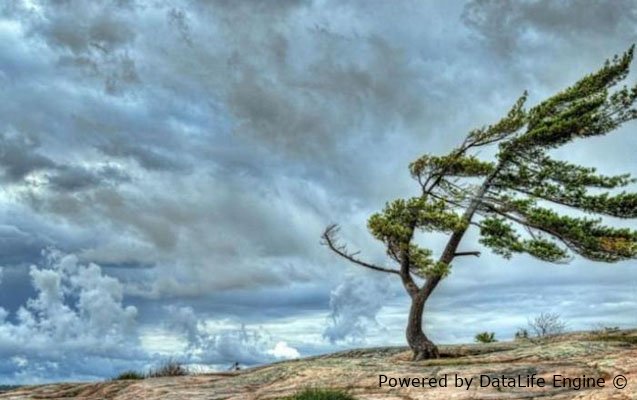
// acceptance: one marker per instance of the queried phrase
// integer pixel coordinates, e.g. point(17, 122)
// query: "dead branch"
point(330, 240)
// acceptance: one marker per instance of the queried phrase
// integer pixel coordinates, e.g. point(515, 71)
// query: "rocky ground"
point(595, 355)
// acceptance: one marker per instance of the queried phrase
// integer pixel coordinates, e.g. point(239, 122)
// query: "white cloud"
point(282, 351)
point(221, 344)
point(355, 304)
point(76, 317)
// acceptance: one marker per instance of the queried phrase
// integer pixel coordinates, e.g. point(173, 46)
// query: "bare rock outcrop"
point(606, 356)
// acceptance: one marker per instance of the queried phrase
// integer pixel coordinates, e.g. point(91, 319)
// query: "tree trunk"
point(422, 347)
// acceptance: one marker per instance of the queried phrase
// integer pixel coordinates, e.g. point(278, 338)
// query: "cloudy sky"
point(167, 167)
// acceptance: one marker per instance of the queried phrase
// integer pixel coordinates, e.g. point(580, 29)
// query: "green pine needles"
point(522, 200)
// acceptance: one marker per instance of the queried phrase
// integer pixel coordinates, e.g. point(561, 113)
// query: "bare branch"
point(331, 241)
point(547, 324)
point(467, 253)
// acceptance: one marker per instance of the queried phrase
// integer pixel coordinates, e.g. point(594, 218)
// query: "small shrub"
point(521, 334)
point(601, 329)
point(547, 324)
point(169, 368)
point(321, 394)
point(485, 337)
point(132, 375)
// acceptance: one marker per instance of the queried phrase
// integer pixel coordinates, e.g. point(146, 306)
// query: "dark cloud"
point(19, 157)
point(19, 246)
point(313, 113)
point(73, 178)
point(147, 157)
point(93, 37)
point(507, 26)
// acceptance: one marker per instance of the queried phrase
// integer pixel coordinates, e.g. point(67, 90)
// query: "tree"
point(514, 200)
point(547, 324)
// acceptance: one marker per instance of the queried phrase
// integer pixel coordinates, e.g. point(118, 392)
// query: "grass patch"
point(616, 338)
point(321, 394)
point(129, 375)
point(169, 368)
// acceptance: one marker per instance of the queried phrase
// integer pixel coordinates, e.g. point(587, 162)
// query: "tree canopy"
point(514, 193)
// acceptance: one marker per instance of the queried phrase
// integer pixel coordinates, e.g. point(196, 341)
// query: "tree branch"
point(570, 245)
point(456, 237)
point(467, 253)
point(330, 240)
point(405, 273)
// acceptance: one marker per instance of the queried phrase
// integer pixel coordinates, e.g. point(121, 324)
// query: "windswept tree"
point(517, 200)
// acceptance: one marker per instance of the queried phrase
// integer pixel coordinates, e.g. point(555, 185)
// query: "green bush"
point(521, 334)
point(321, 394)
point(134, 375)
point(485, 337)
